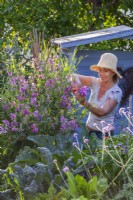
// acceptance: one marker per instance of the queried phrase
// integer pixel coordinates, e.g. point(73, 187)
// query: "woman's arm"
point(83, 80)
point(108, 106)
point(79, 81)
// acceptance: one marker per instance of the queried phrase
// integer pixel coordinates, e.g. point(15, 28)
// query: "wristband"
point(87, 105)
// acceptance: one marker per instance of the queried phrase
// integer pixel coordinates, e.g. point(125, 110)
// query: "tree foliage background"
point(61, 18)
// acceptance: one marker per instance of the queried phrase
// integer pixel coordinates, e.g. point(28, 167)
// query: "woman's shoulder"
point(115, 92)
point(116, 88)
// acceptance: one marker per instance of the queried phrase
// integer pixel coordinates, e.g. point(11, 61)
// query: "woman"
point(105, 95)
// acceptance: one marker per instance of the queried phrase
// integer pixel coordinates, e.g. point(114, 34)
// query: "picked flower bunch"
point(82, 91)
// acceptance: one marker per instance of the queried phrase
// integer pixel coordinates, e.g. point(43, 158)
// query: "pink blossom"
point(14, 129)
point(49, 83)
point(6, 122)
point(20, 97)
point(35, 113)
point(105, 129)
point(75, 135)
point(95, 124)
point(6, 107)
point(74, 144)
point(121, 111)
point(41, 76)
point(10, 74)
point(25, 112)
point(13, 116)
point(86, 141)
point(65, 169)
point(34, 128)
point(33, 100)
point(2, 130)
point(110, 127)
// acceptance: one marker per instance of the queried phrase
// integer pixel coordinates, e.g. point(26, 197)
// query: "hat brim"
point(96, 68)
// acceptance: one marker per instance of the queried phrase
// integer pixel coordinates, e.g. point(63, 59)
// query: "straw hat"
point(109, 61)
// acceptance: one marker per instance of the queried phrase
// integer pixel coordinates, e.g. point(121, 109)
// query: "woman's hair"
point(126, 84)
point(115, 78)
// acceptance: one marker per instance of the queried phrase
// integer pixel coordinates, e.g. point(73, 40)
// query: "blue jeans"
point(99, 134)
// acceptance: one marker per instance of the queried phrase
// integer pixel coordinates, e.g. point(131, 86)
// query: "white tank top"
point(113, 93)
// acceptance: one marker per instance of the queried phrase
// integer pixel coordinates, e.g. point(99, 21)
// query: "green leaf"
point(51, 192)
point(80, 198)
point(41, 170)
point(79, 169)
point(57, 179)
point(28, 155)
point(92, 186)
point(82, 185)
point(40, 140)
point(102, 185)
point(72, 185)
point(126, 192)
point(46, 157)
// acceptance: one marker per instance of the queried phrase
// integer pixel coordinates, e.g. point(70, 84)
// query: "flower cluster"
point(83, 91)
point(68, 124)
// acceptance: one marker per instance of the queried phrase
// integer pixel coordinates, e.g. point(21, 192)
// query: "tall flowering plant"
point(39, 101)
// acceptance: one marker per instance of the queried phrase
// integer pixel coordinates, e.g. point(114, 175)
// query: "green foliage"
point(79, 188)
point(62, 18)
point(56, 144)
point(34, 167)
point(31, 172)
point(126, 192)
point(72, 185)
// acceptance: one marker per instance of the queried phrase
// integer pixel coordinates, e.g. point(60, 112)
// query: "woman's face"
point(105, 74)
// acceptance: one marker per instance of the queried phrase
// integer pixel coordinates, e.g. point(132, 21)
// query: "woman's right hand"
point(75, 87)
